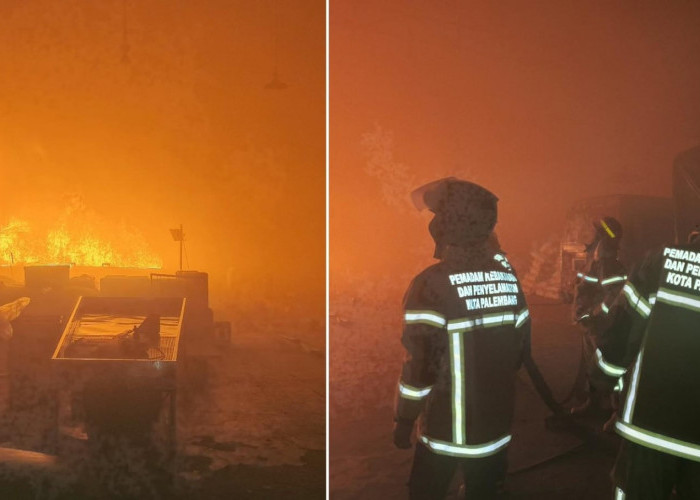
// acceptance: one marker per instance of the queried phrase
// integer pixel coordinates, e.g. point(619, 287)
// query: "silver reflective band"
point(636, 301)
point(584, 317)
point(608, 369)
point(426, 317)
point(619, 494)
point(522, 318)
point(678, 299)
point(466, 450)
point(506, 265)
point(652, 299)
point(457, 385)
point(619, 387)
point(658, 442)
point(632, 395)
point(587, 278)
point(486, 320)
point(410, 392)
point(605, 308)
point(613, 279)
point(504, 262)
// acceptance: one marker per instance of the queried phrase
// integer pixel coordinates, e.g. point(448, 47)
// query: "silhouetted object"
point(38, 277)
point(178, 234)
point(148, 332)
point(275, 83)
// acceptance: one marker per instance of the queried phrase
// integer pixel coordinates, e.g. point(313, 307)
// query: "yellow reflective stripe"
point(466, 450)
point(636, 300)
point(607, 228)
point(659, 442)
point(484, 321)
point(415, 393)
point(678, 299)
point(632, 395)
point(613, 279)
point(608, 369)
point(431, 318)
point(522, 318)
point(458, 402)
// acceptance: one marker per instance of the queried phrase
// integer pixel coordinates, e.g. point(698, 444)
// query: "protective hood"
point(465, 213)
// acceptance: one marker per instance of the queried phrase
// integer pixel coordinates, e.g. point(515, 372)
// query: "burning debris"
point(77, 236)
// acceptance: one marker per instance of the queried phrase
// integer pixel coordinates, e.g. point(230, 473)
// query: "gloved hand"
point(402, 433)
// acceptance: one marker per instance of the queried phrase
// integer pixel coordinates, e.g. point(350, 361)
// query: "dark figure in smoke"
point(466, 331)
point(655, 342)
point(597, 289)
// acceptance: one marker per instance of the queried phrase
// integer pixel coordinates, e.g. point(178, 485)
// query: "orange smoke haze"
point(542, 102)
point(154, 113)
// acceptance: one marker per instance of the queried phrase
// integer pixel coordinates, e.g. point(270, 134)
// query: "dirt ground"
point(365, 362)
point(250, 423)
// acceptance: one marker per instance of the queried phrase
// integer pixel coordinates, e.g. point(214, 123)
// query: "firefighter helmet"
point(609, 227)
point(464, 212)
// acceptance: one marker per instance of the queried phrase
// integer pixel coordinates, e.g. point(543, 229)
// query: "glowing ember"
point(73, 242)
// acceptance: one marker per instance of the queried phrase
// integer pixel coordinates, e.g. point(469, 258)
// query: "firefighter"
point(657, 346)
point(596, 290)
point(466, 331)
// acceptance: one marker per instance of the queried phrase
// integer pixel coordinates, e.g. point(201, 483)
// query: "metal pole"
point(182, 239)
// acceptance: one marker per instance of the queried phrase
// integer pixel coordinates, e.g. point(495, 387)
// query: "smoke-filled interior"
point(544, 104)
point(121, 120)
point(567, 111)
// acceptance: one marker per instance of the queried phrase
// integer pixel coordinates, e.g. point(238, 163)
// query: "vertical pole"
point(182, 239)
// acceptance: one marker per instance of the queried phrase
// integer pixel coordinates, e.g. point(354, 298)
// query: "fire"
point(76, 241)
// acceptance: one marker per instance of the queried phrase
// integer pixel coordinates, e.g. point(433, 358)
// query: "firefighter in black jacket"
point(466, 330)
point(596, 291)
point(656, 341)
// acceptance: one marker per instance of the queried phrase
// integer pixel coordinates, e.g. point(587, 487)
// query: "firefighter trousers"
point(643, 473)
point(432, 474)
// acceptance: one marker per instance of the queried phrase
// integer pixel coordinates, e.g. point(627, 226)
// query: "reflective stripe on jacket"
point(466, 326)
point(662, 301)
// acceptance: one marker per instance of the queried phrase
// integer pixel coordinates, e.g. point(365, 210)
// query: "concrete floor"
point(251, 423)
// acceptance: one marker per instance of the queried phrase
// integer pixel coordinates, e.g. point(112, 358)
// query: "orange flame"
point(74, 239)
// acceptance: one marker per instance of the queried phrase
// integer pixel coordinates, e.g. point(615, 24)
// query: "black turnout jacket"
point(466, 330)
